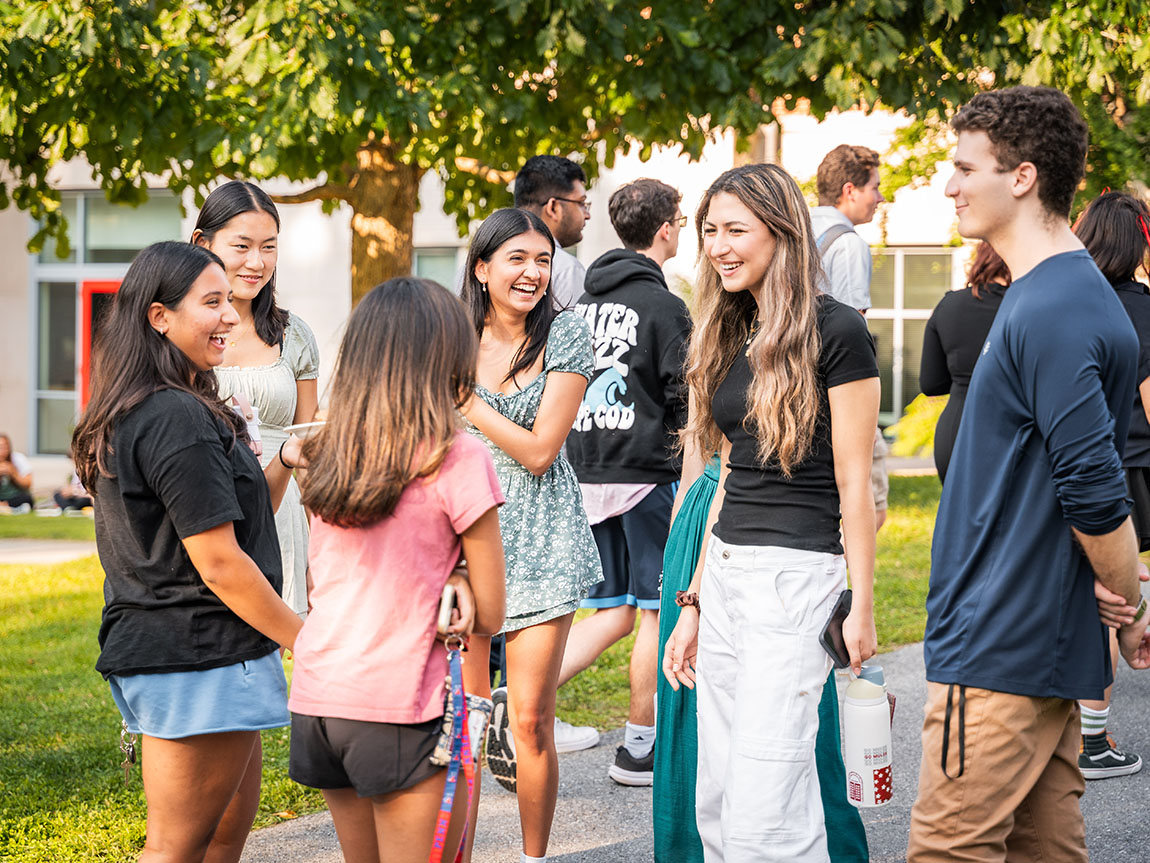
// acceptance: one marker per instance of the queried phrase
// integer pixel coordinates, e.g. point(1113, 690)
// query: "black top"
point(178, 474)
point(761, 506)
point(636, 401)
point(1136, 300)
point(954, 338)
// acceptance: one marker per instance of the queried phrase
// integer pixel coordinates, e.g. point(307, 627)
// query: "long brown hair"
point(986, 269)
point(406, 364)
point(783, 397)
point(131, 361)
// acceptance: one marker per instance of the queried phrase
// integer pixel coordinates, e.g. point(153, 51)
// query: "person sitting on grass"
point(15, 478)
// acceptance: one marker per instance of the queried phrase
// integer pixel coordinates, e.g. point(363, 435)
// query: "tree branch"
point(326, 192)
point(491, 175)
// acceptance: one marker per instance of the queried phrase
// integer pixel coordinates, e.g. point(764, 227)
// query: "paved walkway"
point(44, 550)
point(598, 821)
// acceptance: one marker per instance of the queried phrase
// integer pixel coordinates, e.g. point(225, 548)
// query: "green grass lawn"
point(39, 527)
point(63, 795)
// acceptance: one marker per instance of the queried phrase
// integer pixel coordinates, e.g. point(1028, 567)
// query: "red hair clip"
point(1145, 232)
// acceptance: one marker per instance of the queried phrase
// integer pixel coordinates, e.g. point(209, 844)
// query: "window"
point(436, 264)
point(104, 238)
point(906, 285)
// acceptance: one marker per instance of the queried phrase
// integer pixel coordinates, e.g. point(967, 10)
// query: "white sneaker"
point(572, 738)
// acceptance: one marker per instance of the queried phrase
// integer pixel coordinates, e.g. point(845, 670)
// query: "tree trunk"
point(383, 197)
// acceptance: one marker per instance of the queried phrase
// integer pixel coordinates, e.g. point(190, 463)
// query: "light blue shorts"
point(246, 696)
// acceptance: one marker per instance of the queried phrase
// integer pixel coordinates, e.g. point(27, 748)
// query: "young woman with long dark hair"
point(398, 491)
point(784, 385)
point(270, 357)
point(533, 368)
point(192, 618)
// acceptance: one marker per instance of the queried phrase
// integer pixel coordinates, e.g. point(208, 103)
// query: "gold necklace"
point(751, 336)
point(237, 332)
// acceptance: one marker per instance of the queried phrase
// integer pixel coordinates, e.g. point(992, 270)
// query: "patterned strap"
point(460, 756)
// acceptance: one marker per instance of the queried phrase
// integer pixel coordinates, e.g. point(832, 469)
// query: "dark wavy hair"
point(1039, 125)
point(224, 204)
point(844, 164)
point(639, 209)
point(545, 177)
point(131, 361)
point(406, 364)
point(986, 268)
point(497, 229)
point(1115, 229)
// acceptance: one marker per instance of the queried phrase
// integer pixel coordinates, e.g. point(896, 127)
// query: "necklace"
point(751, 335)
point(236, 333)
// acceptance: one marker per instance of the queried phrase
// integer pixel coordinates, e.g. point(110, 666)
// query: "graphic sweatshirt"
point(636, 401)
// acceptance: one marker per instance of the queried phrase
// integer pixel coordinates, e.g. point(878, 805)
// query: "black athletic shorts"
point(631, 547)
point(371, 757)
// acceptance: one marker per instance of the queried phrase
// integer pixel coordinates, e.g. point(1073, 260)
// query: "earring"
point(484, 286)
point(162, 333)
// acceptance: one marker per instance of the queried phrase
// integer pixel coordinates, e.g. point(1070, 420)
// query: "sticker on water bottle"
point(854, 787)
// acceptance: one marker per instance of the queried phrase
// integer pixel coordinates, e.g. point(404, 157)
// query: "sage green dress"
point(272, 391)
point(552, 559)
point(676, 743)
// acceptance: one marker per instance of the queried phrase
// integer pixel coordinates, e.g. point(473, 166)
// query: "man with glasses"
point(556, 190)
point(622, 447)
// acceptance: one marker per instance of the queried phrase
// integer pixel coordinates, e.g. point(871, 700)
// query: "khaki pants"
point(1017, 797)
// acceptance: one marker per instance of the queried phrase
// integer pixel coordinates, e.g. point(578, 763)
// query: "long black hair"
point(224, 204)
point(131, 360)
point(497, 229)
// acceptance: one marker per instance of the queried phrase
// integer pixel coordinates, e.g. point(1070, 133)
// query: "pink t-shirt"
point(367, 650)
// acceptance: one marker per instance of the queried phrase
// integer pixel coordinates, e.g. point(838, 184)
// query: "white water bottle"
point(867, 741)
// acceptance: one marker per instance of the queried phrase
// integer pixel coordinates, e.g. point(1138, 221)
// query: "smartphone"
point(831, 637)
point(446, 604)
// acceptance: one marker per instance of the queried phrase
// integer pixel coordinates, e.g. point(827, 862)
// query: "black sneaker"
point(629, 770)
point(500, 748)
point(1110, 762)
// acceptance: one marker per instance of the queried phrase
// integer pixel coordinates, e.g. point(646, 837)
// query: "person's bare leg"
point(592, 635)
point(405, 820)
point(476, 681)
point(189, 784)
point(228, 842)
point(644, 668)
point(354, 819)
point(534, 656)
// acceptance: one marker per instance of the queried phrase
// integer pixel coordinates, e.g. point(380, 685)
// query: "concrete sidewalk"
point(40, 551)
point(598, 821)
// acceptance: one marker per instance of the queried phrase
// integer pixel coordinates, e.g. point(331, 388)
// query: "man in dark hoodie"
point(622, 447)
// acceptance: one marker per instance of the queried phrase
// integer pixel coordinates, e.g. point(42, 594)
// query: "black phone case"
point(831, 637)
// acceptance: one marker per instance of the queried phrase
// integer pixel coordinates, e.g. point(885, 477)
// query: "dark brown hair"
point(131, 361)
point(1039, 125)
point(986, 268)
point(406, 364)
point(224, 204)
point(1114, 230)
point(844, 164)
point(639, 209)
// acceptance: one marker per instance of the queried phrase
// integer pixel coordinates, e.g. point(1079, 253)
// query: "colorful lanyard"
point(460, 755)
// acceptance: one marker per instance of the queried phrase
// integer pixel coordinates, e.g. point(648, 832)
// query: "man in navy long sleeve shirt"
point(1034, 509)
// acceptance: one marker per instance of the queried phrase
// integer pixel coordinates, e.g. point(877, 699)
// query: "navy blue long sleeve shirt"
point(1011, 605)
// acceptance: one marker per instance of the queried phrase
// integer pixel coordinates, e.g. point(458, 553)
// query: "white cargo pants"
point(761, 672)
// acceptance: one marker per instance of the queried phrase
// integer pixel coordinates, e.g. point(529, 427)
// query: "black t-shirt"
point(177, 473)
point(762, 506)
point(1136, 300)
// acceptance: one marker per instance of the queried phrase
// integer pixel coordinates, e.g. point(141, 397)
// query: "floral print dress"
point(552, 559)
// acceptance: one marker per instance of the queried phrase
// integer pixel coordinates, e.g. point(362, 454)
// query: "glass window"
point(69, 207)
point(882, 281)
point(56, 344)
point(883, 333)
point(437, 265)
point(55, 421)
point(115, 232)
point(927, 278)
point(912, 332)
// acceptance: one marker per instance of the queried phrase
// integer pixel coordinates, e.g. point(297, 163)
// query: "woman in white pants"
point(784, 383)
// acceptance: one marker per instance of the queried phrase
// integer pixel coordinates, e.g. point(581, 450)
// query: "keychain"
point(128, 747)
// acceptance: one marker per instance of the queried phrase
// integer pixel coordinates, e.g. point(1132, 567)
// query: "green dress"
point(552, 559)
point(676, 744)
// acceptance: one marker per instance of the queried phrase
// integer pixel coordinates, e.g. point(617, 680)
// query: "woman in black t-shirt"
point(186, 534)
point(783, 382)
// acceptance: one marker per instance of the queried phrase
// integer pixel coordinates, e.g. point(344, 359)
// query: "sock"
point(523, 858)
point(639, 740)
point(1094, 721)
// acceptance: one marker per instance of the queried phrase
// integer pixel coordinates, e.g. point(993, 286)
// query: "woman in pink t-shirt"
point(397, 493)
